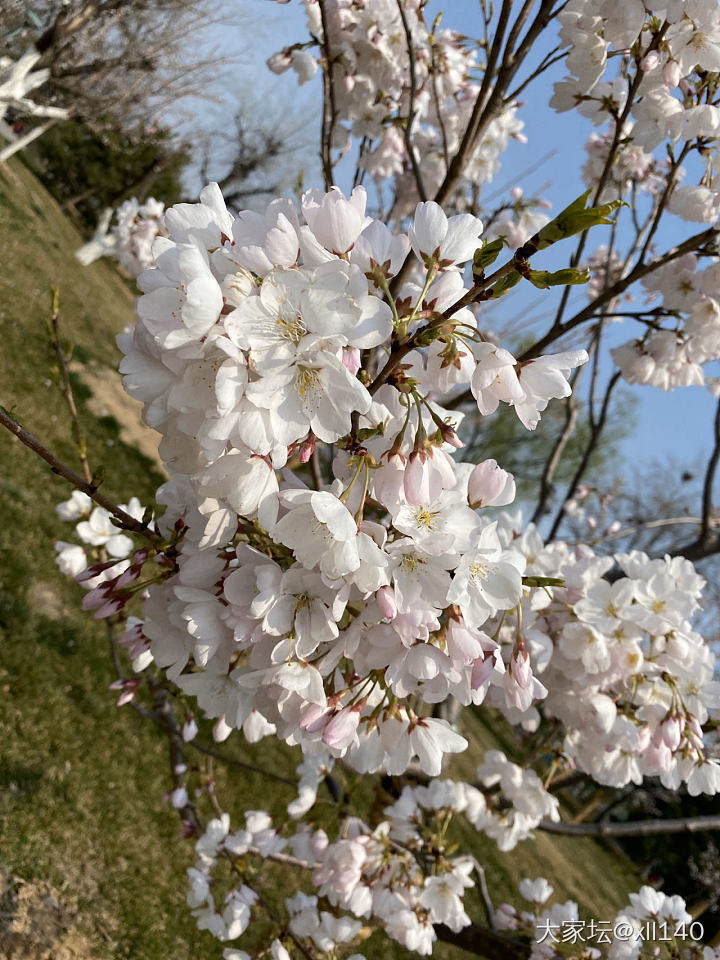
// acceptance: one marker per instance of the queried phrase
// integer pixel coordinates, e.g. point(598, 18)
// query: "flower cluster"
point(130, 239)
point(669, 358)
point(375, 88)
point(324, 610)
point(380, 875)
point(677, 44)
point(631, 681)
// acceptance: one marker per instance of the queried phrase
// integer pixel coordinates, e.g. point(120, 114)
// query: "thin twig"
point(316, 469)
point(633, 828)
point(243, 764)
point(707, 500)
point(553, 461)
point(485, 895)
point(596, 429)
point(411, 107)
point(126, 521)
point(67, 391)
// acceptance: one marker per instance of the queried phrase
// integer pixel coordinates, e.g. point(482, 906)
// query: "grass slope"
point(82, 783)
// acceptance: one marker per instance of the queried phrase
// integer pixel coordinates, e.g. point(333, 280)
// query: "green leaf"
point(543, 279)
point(367, 432)
point(543, 581)
point(575, 218)
point(487, 254)
point(505, 283)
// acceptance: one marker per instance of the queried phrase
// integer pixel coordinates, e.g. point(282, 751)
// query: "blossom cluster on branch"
point(327, 568)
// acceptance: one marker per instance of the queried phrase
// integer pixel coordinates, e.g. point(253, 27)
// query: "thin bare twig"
point(596, 428)
point(707, 501)
point(553, 461)
point(411, 107)
point(243, 764)
point(485, 895)
point(632, 828)
point(126, 521)
point(66, 387)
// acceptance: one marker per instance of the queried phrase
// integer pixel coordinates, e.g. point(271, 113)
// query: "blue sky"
point(668, 427)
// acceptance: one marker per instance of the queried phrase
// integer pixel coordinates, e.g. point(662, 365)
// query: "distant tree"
point(87, 171)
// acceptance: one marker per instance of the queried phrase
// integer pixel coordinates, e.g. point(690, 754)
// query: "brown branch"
point(67, 391)
point(492, 96)
point(233, 761)
point(438, 110)
point(632, 828)
point(707, 542)
point(411, 106)
point(596, 429)
point(691, 244)
point(484, 942)
point(329, 105)
point(709, 481)
point(610, 159)
point(553, 461)
point(126, 521)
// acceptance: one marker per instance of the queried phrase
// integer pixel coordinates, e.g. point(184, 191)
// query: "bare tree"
point(116, 62)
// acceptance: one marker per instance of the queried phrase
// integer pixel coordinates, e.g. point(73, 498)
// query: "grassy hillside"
point(91, 856)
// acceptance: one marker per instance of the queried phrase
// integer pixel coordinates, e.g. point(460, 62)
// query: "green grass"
point(83, 783)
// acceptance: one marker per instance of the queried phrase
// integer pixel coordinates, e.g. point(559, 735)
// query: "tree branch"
point(126, 521)
point(411, 107)
point(596, 428)
point(632, 828)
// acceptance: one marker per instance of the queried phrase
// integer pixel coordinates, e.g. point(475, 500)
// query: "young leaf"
point(486, 255)
point(574, 219)
point(505, 283)
point(542, 279)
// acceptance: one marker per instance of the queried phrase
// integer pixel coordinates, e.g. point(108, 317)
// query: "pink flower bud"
point(521, 669)
point(340, 731)
point(693, 731)
point(658, 757)
point(307, 448)
point(516, 193)
point(490, 486)
point(482, 671)
point(94, 570)
point(280, 62)
point(351, 359)
point(109, 608)
point(313, 718)
point(449, 436)
point(129, 575)
point(650, 61)
point(672, 74)
point(671, 732)
point(427, 474)
point(416, 483)
point(385, 597)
